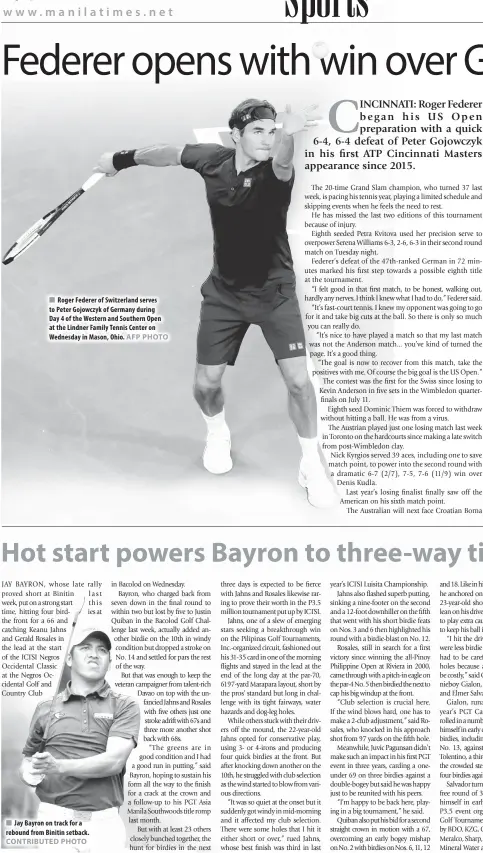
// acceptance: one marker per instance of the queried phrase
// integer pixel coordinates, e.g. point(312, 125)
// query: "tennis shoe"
point(320, 491)
point(217, 457)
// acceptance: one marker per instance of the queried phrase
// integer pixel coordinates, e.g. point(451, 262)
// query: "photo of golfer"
point(252, 281)
point(78, 744)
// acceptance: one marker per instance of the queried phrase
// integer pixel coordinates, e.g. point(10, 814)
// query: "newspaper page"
point(241, 425)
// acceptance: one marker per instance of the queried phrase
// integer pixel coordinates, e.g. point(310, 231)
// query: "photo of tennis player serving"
point(248, 189)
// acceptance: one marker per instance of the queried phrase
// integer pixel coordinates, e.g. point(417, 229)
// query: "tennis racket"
point(42, 225)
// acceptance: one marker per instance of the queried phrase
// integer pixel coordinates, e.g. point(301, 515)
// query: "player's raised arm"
point(160, 154)
point(292, 123)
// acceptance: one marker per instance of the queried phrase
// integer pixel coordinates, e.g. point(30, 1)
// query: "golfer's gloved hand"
point(29, 776)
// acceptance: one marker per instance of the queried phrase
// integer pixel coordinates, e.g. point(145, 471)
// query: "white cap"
point(87, 629)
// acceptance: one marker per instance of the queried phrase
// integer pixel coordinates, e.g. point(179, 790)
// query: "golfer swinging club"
point(89, 731)
point(252, 281)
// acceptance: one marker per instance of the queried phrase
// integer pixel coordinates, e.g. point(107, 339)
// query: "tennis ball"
point(320, 49)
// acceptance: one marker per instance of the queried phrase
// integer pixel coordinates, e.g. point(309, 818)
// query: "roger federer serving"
point(248, 189)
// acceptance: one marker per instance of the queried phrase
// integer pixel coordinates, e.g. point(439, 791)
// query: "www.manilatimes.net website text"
point(86, 12)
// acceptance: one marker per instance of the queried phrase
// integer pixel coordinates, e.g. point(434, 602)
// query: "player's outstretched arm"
point(292, 123)
point(160, 154)
point(108, 763)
